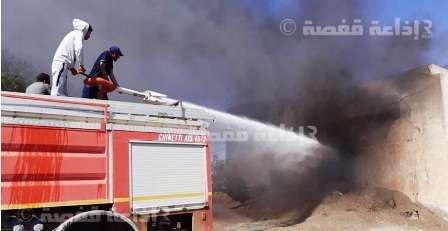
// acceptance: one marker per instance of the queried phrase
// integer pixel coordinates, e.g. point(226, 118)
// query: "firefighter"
point(101, 79)
point(69, 52)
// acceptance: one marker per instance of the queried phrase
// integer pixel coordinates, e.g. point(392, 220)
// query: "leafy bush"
point(13, 82)
point(16, 73)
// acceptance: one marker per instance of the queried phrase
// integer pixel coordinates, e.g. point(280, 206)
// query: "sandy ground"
point(371, 210)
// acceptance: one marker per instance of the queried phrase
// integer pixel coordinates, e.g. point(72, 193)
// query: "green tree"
point(16, 72)
point(218, 168)
point(13, 82)
point(225, 180)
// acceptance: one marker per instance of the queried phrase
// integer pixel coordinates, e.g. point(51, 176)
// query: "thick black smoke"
point(205, 52)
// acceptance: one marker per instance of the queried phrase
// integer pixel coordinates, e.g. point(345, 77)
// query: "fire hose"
point(149, 97)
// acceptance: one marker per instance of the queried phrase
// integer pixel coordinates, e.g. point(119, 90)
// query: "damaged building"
point(390, 133)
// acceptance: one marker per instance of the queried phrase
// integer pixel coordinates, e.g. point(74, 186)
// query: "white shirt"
point(70, 50)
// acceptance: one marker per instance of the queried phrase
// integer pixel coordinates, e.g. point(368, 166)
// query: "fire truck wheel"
point(98, 220)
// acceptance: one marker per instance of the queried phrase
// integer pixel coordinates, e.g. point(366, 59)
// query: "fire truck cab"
point(83, 164)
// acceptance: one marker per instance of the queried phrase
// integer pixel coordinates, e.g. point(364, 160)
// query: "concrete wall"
point(408, 152)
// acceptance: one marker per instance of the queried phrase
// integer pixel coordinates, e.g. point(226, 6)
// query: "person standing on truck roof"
point(98, 84)
point(41, 86)
point(69, 52)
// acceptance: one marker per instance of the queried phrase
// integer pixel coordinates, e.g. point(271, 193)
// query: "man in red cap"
point(98, 84)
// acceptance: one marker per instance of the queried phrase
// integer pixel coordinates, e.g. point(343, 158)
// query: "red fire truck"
point(82, 164)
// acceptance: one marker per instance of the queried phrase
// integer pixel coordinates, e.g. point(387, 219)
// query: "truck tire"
point(97, 220)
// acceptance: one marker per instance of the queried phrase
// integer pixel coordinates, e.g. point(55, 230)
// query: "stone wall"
point(408, 152)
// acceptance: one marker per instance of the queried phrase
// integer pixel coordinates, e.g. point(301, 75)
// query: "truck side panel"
point(202, 218)
point(50, 167)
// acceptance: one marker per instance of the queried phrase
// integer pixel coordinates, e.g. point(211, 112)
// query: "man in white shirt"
point(69, 52)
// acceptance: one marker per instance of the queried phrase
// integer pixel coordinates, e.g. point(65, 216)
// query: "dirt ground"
point(372, 210)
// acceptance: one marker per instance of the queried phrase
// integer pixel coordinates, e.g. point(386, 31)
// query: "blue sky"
point(435, 10)
point(383, 10)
